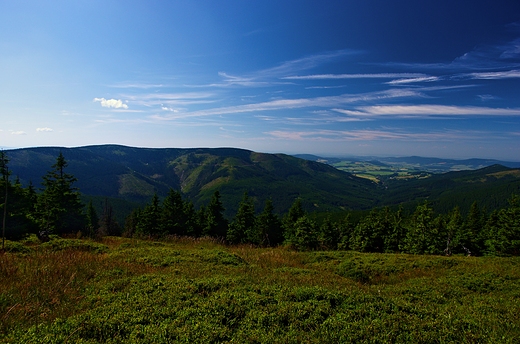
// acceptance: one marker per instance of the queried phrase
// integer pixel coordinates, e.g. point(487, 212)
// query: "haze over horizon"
point(374, 78)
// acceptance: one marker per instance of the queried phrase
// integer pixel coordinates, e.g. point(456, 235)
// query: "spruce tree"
point(243, 228)
point(59, 209)
point(173, 218)
point(92, 224)
point(269, 226)
point(289, 221)
point(216, 224)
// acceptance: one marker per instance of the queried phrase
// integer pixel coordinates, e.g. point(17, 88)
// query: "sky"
point(332, 78)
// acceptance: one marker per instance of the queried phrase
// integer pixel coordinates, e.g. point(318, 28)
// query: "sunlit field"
point(201, 291)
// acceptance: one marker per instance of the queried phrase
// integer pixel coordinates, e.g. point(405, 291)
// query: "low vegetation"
point(183, 275)
point(198, 290)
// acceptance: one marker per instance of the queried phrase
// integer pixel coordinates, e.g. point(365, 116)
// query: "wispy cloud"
point(20, 132)
point(495, 75)
point(414, 80)
point(136, 85)
point(280, 104)
point(355, 76)
point(373, 135)
point(111, 103)
point(427, 110)
point(44, 129)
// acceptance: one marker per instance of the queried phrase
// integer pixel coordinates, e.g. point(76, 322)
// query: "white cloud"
point(298, 103)
point(496, 75)
point(355, 76)
point(44, 129)
point(428, 110)
point(413, 80)
point(111, 103)
point(20, 132)
point(371, 135)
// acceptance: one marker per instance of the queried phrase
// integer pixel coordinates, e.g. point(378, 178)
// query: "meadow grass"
point(198, 290)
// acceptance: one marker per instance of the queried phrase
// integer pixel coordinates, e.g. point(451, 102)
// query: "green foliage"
point(197, 291)
point(215, 223)
point(59, 244)
point(243, 229)
point(269, 226)
point(59, 209)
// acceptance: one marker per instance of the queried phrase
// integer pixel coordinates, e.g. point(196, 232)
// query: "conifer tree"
point(423, 232)
point(305, 234)
point(243, 228)
point(329, 234)
point(269, 226)
point(289, 220)
point(216, 224)
point(92, 220)
point(149, 220)
point(345, 229)
point(59, 209)
point(173, 218)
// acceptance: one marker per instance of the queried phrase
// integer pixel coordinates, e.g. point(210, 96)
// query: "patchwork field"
point(200, 291)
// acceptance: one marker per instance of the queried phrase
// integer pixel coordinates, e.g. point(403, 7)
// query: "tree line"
point(57, 209)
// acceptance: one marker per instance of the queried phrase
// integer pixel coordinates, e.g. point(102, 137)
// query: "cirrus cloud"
point(44, 129)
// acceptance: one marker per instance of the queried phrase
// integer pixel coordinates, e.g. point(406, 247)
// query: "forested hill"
point(137, 173)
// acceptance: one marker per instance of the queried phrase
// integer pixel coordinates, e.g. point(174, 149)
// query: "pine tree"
point(92, 220)
point(423, 232)
point(173, 218)
point(108, 224)
point(243, 229)
point(289, 221)
point(346, 230)
point(59, 209)
point(329, 234)
point(149, 220)
point(269, 226)
point(216, 224)
point(305, 235)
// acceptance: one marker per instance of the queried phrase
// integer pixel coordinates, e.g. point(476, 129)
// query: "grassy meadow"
point(186, 290)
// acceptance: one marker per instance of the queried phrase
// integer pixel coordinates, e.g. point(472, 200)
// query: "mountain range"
point(133, 175)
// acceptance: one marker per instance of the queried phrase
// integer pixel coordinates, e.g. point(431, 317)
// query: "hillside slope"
point(135, 174)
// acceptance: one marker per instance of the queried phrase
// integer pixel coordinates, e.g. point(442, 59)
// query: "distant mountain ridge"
point(434, 165)
point(135, 174)
point(129, 174)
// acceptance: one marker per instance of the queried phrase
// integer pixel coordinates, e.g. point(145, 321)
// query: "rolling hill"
point(130, 176)
point(135, 174)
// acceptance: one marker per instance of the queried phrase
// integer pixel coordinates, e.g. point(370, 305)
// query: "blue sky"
point(336, 78)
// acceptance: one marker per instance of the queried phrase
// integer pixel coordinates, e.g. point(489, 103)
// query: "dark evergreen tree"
point(149, 220)
point(394, 240)
point(346, 230)
point(305, 235)
point(216, 224)
point(59, 209)
point(131, 223)
point(108, 224)
point(192, 227)
point(502, 234)
point(329, 234)
point(289, 220)
point(269, 226)
point(370, 233)
point(243, 229)
point(92, 224)
point(469, 238)
point(454, 228)
point(173, 219)
point(423, 232)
